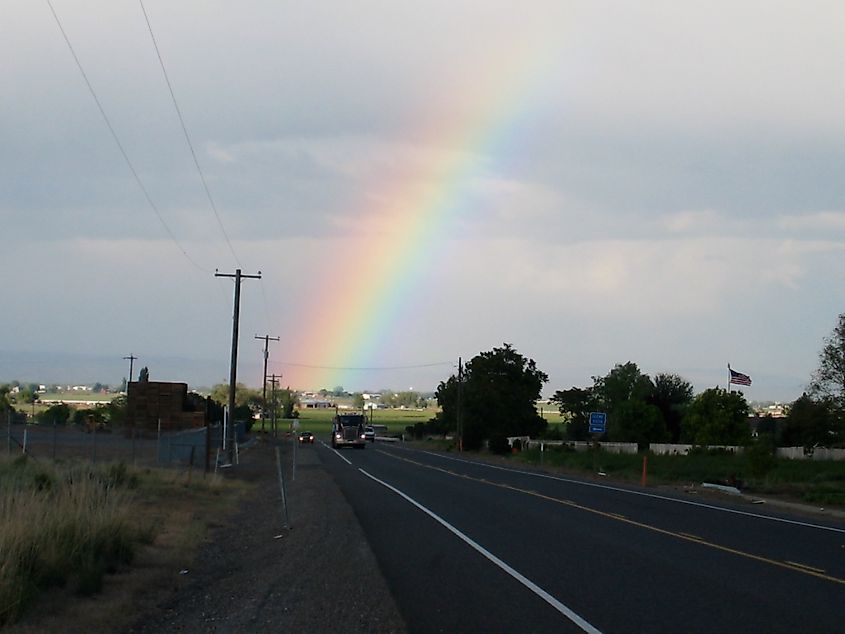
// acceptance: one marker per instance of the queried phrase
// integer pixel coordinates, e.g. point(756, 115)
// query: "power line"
point(187, 136)
point(119, 144)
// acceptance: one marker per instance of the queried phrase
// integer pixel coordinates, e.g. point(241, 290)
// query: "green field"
point(815, 482)
point(319, 421)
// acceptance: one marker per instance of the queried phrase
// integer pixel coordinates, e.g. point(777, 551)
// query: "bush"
point(62, 525)
point(499, 445)
point(761, 456)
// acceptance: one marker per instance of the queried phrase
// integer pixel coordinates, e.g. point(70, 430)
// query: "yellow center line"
point(805, 567)
point(807, 570)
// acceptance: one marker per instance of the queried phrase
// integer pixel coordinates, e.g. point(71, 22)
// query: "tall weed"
point(63, 524)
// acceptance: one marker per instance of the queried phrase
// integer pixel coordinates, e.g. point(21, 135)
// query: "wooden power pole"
point(267, 339)
point(233, 367)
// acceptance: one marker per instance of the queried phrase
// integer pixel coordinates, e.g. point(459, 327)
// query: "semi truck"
point(348, 431)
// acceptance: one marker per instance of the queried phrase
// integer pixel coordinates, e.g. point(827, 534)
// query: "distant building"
point(311, 403)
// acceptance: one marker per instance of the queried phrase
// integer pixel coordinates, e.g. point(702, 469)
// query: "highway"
point(470, 547)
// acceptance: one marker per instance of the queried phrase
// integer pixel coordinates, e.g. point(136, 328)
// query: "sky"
point(417, 182)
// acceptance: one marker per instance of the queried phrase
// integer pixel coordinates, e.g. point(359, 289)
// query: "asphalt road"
point(469, 547)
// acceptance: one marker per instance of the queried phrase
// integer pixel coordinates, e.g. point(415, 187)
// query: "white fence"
point(582, 445)
point(817, 453)
point(793, 453)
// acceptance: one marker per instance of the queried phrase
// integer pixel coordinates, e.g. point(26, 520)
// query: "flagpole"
point(729, 379)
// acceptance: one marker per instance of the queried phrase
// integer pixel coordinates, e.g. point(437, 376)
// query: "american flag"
point(738, 378)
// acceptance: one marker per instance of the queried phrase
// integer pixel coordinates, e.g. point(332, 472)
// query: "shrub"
point(499, 445)
point(62, 525)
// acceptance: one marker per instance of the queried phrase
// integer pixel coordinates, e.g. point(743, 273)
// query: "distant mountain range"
point(70, 368)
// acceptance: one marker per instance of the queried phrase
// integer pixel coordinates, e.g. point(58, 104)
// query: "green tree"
point(288, 400)
point(812, 422)
point(5, 403)
point(115, 411)
point(637, 421)
point(672, 395)
point(575, 405)
point(144, 375)
point(829, 379)
point(244, 396)
point(499, 390)
point(717, 417)
point(358, 400)
point(55, 414)
point(623, 383)
point(83, 416)
point(625, 394)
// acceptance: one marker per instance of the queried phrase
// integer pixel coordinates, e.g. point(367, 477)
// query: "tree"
point(5, 403)
point(498, 393)
point(637, 421)
point(625, 394)
point(575, 404)
point(55, 414)
point(717, 417)
point(288, 400)
point(829, 379)
point(358, 400)
point(115, 410)
point(812, 422)
point(671, 395)
point(623, 383)
point(144, 375)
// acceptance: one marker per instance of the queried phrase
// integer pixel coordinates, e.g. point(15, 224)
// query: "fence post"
point(282, 486)
point(191, 464)
point(207, 445)
point(645, 470)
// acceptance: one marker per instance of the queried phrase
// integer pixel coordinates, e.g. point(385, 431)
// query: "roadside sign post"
point(598, 422)
point(598, 426)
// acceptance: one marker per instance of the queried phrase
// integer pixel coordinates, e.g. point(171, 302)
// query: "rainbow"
point(346, 322)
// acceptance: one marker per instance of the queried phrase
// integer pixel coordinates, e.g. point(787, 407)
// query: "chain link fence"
point(198, 447)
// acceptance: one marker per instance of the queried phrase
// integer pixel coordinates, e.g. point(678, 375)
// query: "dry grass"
point(68, 528)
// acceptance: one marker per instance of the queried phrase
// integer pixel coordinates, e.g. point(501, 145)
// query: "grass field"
point(67, 525)
point(320, 420)
point(815, 482)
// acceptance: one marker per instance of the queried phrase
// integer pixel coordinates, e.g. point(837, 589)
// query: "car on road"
point(369, 433)
point(306, 437)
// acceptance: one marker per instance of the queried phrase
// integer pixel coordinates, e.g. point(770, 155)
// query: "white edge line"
point(548, 598)
point(648, 495)
point(346, 460)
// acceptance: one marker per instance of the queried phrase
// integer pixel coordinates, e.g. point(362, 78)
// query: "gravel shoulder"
point(319, 575)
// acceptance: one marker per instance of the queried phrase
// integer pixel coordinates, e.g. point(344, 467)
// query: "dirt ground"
point(318, 575)
point(251, 574)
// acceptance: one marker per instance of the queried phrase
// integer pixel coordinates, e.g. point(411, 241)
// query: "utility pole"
point(132, 358)
point(267, 339)
point(460, 413)
point(275, 379)
point(233, 368)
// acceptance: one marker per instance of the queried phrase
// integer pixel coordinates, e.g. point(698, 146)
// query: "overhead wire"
point(117, 141)
point(188, 136)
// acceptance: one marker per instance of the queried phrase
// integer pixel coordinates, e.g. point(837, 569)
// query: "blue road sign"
point(598, 422)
